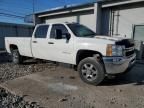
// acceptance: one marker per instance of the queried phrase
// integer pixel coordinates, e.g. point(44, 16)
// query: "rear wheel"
point(16, 57)
point(91, 71)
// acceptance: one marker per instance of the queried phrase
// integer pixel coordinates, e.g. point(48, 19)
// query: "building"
point(84, 14)
point(13, 30)
point(111, 17)
point(123, 18)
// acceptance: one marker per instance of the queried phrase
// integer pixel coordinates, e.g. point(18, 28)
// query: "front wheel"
point(91, 71)
point(16, 57)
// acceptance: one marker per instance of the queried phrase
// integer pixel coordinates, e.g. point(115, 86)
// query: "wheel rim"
point(89, 72)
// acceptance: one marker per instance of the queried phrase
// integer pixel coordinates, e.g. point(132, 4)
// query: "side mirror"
point(68, 36)
point(58, 34)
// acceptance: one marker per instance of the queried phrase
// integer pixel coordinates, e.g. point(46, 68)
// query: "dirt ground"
point(60, 87)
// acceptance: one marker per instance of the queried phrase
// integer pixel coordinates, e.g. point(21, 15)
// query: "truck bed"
point(23, 44)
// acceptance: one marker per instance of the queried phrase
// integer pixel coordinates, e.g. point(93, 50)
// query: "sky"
point(13, 11)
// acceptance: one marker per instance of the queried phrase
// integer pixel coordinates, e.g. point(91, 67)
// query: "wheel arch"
point(81, 54)
point(13, 47)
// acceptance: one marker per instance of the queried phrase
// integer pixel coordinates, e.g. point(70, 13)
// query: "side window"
point(60, 27)
point(41, 31)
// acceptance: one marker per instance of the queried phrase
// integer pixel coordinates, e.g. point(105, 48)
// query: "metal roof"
point(14, 24)
point(105, 3)
point(67, 7)
point(111, 3)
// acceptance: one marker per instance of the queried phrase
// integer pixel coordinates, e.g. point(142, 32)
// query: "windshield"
point(81, 30)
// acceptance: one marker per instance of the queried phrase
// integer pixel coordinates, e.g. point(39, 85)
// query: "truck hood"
point(100, 40)
point(127, 42)
point(99, 43)
point(110, 38)
point(104, 40)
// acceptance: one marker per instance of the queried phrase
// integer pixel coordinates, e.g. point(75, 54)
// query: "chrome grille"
point(129, 51)
point(129, 46)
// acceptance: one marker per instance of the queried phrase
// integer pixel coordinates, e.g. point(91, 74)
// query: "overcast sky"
point(14, 10)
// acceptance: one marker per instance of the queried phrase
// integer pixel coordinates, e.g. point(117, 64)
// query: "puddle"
point(56, 87)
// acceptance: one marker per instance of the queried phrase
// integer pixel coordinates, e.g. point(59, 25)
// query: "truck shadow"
point(135, 77)
point(5, 58)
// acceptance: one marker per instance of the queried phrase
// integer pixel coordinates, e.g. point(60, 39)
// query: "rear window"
point(41, 31)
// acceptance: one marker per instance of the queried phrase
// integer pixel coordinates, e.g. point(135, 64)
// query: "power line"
point(18, 7)
point(12, 11)
point(11, 15)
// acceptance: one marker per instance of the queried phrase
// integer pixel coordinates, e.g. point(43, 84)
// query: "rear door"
point(40, 48)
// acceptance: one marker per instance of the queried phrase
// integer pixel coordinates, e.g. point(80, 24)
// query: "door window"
point(41, 31)
point(59, 27)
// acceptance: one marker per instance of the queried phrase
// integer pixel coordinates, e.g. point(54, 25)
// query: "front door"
point(61, 48)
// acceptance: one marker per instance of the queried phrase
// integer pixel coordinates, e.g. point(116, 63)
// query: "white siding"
point(62, 20)
point(88, 20)
point(128, 18)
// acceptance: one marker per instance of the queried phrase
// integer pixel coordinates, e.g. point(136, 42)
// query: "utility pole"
point(33, 3)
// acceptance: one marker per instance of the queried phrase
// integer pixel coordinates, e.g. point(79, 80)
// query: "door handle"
point(34, 41)
point(50, 43)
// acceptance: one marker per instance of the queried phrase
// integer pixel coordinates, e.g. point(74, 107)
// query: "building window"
point(139, 32)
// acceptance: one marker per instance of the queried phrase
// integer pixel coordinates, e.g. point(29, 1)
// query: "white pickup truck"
point(94, 56)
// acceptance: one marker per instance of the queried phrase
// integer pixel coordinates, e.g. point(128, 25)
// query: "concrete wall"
point(62, 19)
point(85, 18)
point(91, 18)
point(87, 15)
point(88, 20)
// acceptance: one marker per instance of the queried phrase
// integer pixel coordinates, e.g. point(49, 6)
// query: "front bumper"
point(116, 65)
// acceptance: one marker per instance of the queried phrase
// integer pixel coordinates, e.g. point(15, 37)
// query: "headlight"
point(114, 50)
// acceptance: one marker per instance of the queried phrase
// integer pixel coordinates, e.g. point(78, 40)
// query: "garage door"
point(125, 19)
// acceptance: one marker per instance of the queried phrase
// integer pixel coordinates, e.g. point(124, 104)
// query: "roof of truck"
point(58, 23)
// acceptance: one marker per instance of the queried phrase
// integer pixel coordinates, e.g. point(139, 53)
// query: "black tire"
point(94, 73)
point(16, 57)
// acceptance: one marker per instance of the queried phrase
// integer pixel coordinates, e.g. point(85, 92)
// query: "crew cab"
point(94, 56)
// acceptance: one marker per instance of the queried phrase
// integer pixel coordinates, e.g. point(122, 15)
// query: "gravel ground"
point(9, 71)
point(8, 100)
point(122, 92)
